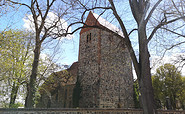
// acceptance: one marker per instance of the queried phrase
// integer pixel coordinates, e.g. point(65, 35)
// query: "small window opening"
point(88, 37)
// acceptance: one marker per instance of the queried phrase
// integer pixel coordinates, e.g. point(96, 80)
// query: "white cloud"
point(107, 24)
point(51, 19)
point(157, 61)
point(28, 23)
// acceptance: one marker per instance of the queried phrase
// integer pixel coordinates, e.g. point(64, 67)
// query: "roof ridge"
point(107, 24)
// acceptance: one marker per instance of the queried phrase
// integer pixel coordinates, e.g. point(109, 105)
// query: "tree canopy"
point(168, 84)
point(15, 51)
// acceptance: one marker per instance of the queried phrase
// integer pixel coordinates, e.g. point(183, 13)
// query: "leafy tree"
point(168, 82)
point(136, 94)
point(15, 48)
point(182, 94)
point(39, 11)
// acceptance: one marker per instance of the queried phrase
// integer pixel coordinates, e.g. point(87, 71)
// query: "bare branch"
point(126, 39)
point(82, 4)
point(132, 31)
point(162, 24)
point(174, 32)
point(176, 7)
point(19, 3)
point(40, 12)
point(134, 9)
point(46, 13)
point(173, 46)
point(152, 10)
point(93, 9)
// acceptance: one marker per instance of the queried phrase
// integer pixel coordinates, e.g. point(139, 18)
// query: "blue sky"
point(69, 49)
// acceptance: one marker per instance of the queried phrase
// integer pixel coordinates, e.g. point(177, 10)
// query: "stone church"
point(104, 70)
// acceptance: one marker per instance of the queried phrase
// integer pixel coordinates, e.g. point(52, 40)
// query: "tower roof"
point(94, 19)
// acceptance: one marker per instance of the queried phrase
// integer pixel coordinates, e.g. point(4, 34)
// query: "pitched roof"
point(94, 19)
point(64, 77)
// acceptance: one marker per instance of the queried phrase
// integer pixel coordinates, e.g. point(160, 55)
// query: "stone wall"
point(89, 69)
point(105, 71)
point(62, 98)
point(57, 90)
point(116, 82)
point(82, 111)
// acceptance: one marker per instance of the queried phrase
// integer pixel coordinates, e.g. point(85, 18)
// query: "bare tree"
point(169, 38)
point(39, 11)
point(142, 11)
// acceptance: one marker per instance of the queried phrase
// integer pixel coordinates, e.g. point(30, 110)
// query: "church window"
point(89, 37)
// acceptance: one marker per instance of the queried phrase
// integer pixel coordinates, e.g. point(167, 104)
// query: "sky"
point(67, 51)
point(68, 47)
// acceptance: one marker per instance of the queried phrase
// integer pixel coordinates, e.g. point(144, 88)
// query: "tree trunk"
point(31, 89)
point(13, 95)
point(145, 82)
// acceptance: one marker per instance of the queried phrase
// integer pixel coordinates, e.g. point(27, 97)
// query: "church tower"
point(105, 67)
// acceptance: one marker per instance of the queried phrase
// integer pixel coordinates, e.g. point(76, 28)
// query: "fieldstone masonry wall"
point(116, 73)
point(89, 72)
point(82, 111)
point(105, 71)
